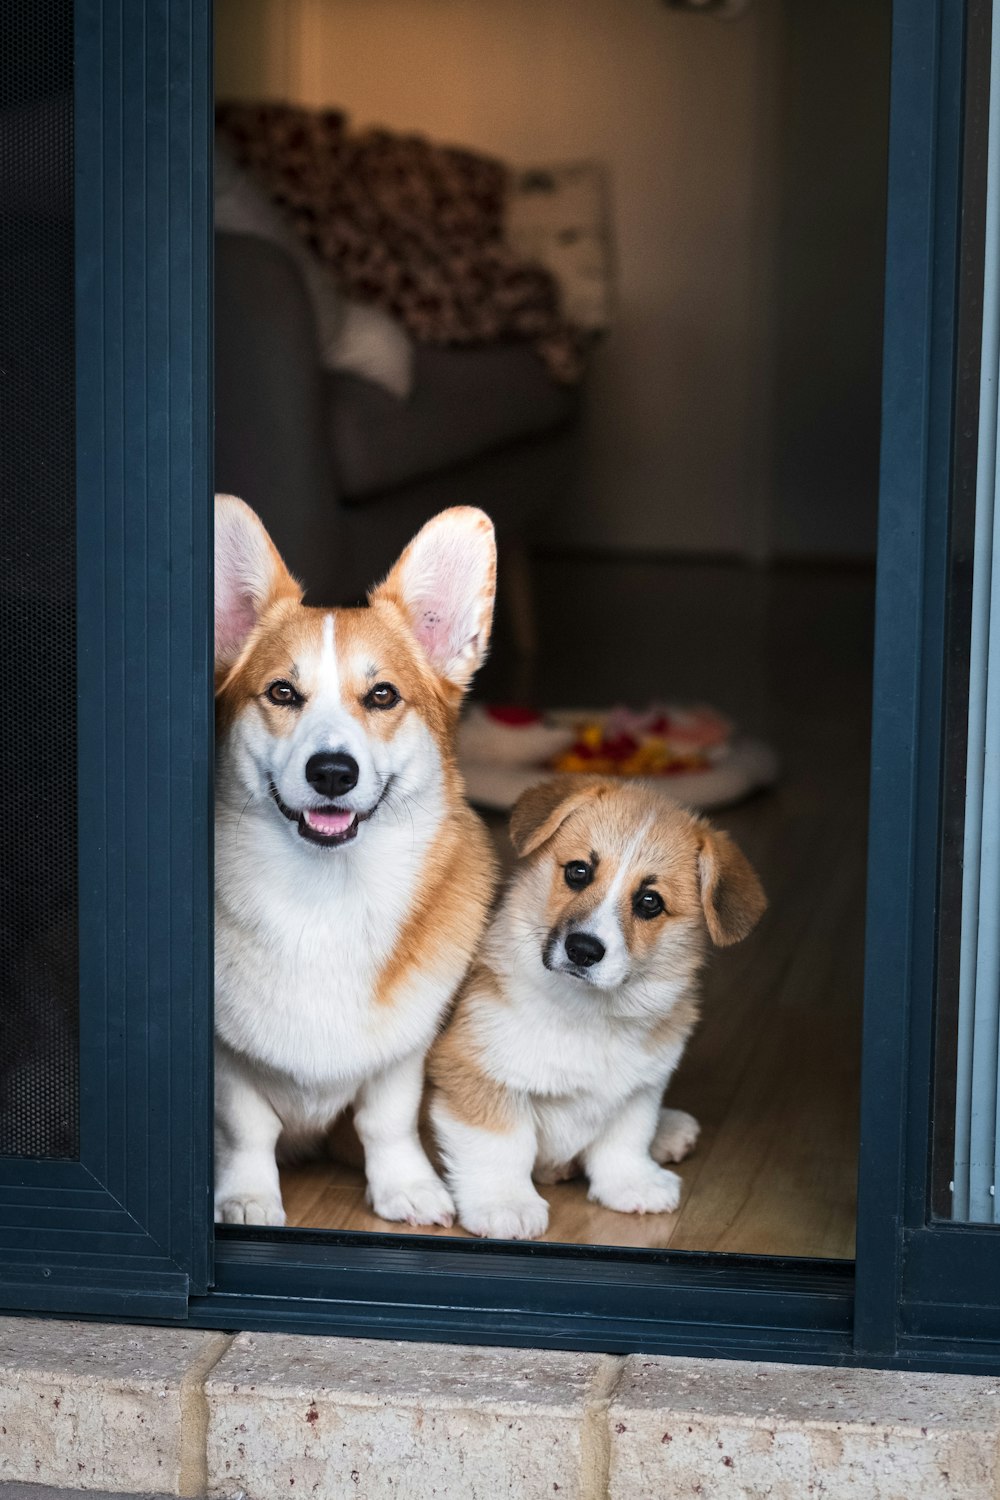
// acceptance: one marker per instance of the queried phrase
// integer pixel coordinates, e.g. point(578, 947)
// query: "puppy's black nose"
point(583, 950)
point(332, 773)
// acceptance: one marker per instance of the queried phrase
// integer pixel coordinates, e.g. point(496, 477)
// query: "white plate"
point(747, 766)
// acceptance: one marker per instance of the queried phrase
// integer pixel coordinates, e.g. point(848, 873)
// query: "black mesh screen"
point(38, 921)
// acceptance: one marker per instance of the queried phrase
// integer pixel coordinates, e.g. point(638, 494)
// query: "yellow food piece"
point(652, 759)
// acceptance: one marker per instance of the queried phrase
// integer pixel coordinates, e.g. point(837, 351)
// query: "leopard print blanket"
point(415, 228)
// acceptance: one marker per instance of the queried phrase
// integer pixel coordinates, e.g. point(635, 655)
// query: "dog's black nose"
point(332, 773)
point(583, 950)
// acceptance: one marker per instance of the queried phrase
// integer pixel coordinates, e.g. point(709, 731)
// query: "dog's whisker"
point(252, 798)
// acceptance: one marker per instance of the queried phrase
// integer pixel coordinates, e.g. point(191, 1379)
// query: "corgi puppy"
point(352, 879)
point(580, 1003)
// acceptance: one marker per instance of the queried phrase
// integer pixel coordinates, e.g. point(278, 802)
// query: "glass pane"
point(38, 845)
point(691, 523)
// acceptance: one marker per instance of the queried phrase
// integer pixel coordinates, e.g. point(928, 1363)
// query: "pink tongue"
point(329, 822)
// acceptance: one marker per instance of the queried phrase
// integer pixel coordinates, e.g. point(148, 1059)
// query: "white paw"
point(518, 1219)
point(253, 1207)
point(650, 1192)
point(676, 1136)
point(425, 1201)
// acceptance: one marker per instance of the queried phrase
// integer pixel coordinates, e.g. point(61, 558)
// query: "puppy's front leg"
point(622, 1173)
point(489, 1172)
point(402, 1184)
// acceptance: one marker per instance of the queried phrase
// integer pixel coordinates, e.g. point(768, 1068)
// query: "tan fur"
point(676, 1027)
point(731, 893)
point(382, 639)
point(544, 808)
point(453, 1066)
point(286, 630)
point(451, 908)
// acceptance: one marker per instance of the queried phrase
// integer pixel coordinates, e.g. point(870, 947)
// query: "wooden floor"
point(772, 1072)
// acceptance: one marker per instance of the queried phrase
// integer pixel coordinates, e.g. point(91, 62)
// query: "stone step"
point(173, 1412)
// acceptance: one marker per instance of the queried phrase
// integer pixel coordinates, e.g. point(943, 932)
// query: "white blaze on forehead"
point(605, 922)
point(329, 670)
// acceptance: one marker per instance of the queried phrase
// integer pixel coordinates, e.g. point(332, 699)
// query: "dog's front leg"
point(247, 1190)
point(622, 1173)
point(489, 1171)
point(402, 1184)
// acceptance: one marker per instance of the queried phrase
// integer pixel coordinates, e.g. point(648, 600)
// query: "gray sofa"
point(342, 472)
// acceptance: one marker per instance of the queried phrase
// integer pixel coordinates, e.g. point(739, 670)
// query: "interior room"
point(664, 388)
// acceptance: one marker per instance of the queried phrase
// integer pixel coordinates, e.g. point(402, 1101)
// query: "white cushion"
point(353, 338)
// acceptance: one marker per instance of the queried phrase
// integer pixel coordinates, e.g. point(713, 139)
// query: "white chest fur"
point(302, 935)
point(577, 1063)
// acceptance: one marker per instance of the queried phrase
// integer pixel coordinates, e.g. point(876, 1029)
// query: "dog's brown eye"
point(284, 695)
point(382, 695)
point(578, 874)
point(648, 904)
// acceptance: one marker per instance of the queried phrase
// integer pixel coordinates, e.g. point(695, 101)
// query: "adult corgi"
point(580, 1004)
point(352, 879)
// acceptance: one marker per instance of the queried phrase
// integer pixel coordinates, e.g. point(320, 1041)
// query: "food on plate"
point(662, 740)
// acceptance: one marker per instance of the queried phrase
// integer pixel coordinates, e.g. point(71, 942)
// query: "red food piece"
point(513, 715)
point(621, 747)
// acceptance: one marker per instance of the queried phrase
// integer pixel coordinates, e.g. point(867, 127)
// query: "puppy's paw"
point(252, 1207)
point(522, 1218)
point(425, 1200)
point(676, 1136)
point(651, 1191)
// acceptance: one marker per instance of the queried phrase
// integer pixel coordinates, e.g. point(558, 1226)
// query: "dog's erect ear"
point(445, 583)
point(543, 809)
point(731, 895)
point(249, 575)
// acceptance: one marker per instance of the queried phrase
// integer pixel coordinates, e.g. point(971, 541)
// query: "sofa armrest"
point(271, 439)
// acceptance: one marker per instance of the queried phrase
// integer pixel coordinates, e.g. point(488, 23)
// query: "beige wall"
point(680, 431)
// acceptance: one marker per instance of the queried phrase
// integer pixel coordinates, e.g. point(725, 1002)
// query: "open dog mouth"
point(328, 826)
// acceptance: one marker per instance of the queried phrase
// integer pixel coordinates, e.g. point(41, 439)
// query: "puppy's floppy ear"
point(542, 809)
point(249, 575)
point(731, 895)
point(445, 583)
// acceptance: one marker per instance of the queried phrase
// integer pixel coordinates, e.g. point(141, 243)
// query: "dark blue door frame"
point(927, 1289)
point(918, 363)
point(127, 1230)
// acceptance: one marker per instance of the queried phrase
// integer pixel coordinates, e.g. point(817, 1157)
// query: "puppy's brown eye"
point(578, 874)
point(647, 904)
point(284, 695)
point(382, 695)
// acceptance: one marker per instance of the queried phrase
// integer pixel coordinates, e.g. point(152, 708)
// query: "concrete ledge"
point(93, 1407)
point(725, 1431)
point(318, 1416)
point(257, 1416)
